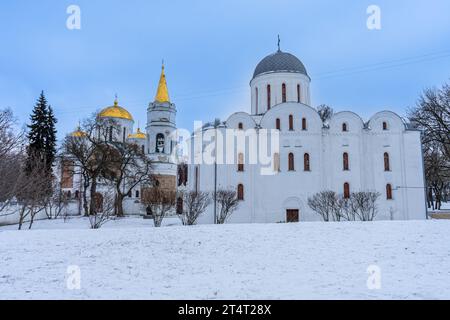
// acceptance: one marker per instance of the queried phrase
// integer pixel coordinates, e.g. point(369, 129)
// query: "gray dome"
point(280, 62)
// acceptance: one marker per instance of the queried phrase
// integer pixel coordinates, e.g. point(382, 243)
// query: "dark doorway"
point(292, 215)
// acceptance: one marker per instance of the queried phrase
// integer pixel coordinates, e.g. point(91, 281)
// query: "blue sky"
point(211, 49)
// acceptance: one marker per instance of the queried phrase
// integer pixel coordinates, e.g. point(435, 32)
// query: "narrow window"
point(291, 122)
point(283, 92)
point(298, 94)
point(269, 98)
point(307, 165)
point(110, 133)
point(124, 134)
point(137, 193)
point(276, 162)
point(240, 192)
point(241, 126)
point(345, 158)
point(129, 194)
point(278, 124)
point(256, 99)
point(389, 192)
point(346, 190)
point(197, 178)
point(291, 165)
point(77, 194)
point(241, 162)
point(385, 126)
point(304, 127)
point(69, 194)
point(387, 166)
point(143, 149)
point(344, 127)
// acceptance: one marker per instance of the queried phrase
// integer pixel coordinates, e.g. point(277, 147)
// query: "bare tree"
point(227, 202)
point(129, 167)
point(92, 153)
point(159, 202)
point(195, 204)
point(325, 113)
point(363, 204)
point(11, 157)
point(32, 192)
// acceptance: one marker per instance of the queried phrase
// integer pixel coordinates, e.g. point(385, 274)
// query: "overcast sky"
point(211, 49)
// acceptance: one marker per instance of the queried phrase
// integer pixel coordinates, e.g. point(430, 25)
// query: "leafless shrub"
point(363, 204)
point(104, 211)
point(327, 205)
point(227, 202)
point(195, 204)
point(159, 202)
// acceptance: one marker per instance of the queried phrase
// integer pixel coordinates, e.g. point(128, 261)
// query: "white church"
point(345, 154)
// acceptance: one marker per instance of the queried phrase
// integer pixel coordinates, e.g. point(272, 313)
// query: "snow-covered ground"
point(129, 259)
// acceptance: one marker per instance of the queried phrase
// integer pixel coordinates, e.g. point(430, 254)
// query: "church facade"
point(344, 154)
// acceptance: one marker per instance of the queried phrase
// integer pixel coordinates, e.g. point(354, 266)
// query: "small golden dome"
point(78, 134)
point(138, 135)
point(115, 111)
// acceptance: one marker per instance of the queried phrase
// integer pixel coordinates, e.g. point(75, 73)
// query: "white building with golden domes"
point(158, 142)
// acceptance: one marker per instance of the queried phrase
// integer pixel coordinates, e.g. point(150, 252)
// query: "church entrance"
point(292, 215)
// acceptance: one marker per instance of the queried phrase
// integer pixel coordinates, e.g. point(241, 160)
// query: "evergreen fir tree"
point(41, 136)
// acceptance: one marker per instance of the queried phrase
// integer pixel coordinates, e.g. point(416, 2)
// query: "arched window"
point(276, 162)
point(385, 126)
point(346, 190)
point(344, 127)
point(345, 159)
point(291, 122)
point(283, 92)
point(129, 194)
point(179, 205)
point(77, 194)
point(240, 192)
point(291, 164)
point(269, 98)
point(241, 162)
point(241, 126)
point(389, 192)
point(256, 99)
point(387, 166)
point(69, 194)
point(137, 193)
point(306, 162)
point(278, 124)
point(298, 94)
point(304, 126)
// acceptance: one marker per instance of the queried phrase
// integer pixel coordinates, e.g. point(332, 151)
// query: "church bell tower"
point(161, 135)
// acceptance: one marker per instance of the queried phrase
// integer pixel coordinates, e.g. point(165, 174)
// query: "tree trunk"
point(119, 205)
point(93, 202)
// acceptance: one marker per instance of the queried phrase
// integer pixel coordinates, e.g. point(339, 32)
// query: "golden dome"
point(115, 111)
point(162, 95)
point(78, 134)
point(138, 135)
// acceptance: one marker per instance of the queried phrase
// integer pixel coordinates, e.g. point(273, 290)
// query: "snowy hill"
point(273, 261)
